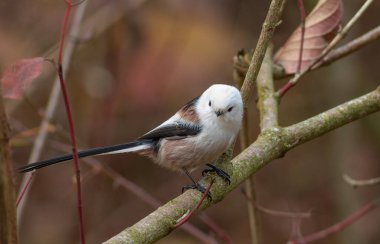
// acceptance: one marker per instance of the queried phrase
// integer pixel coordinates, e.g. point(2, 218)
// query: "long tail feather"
point(119, 148)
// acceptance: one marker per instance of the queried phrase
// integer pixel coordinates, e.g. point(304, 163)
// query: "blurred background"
point(135, 63)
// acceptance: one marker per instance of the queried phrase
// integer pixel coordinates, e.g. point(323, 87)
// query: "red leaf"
point(321, 26)
point(20, 75)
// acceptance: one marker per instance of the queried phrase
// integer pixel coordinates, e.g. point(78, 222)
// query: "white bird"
point(197, 134)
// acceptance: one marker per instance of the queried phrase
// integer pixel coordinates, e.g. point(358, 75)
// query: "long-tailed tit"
point(197, 134)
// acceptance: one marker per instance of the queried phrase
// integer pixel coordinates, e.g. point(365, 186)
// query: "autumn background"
point(135, 64)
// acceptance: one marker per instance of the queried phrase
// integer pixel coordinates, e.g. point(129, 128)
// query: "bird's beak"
point(218, 113)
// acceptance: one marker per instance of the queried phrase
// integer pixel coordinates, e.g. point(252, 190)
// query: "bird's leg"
point(195, 185)
point(226, 177)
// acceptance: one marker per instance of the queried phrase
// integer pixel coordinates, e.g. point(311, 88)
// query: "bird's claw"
point(221, 173)
point(198, 187)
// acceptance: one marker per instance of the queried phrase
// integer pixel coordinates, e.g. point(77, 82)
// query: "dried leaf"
point(321, 26)
point(20, 75)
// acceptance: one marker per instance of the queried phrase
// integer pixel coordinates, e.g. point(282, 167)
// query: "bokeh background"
point(135, 63)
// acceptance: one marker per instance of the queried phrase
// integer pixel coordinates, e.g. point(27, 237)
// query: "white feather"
point(132, 149)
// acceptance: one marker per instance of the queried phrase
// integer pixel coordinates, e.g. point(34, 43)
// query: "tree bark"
point(8, 227)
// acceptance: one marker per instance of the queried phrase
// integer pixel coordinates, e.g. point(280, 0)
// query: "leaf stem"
point(292, 82)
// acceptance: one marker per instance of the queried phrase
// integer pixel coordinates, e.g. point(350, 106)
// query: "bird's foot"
point(223, 174)
point(198, 187)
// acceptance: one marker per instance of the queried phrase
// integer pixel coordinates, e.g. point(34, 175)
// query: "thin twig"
point(52, 105)
point(284, 214)
point(241, 64)
point(352, 46)
point(25, 188)
point(184, 219)
point(338, 226)
point(302, 14)
point(276, 213)
point(356, 183)
point(70, 121)
point(97, 166)
point(292, 82)
point(269, 146)
point(272, 20)
point(249, 186)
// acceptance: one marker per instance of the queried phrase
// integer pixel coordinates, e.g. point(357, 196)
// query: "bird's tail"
point(134, 146)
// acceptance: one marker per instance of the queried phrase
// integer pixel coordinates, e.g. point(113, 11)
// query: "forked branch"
point(272, 144)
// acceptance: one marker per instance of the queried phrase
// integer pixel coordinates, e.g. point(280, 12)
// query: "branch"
point(338, 226)
point(353, 46)
point(241, 60)
point(277, 213)
point(327, 50)
point(96, 167)
point(70, 121)
point(8, 226)
point(267, 102)
point(268, 118)
point(356, 183)
point(271, 144)
point(51, 106)
point(272, 20)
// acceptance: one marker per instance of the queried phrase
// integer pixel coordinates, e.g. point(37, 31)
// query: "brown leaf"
point(20, 75)
point(321, 26)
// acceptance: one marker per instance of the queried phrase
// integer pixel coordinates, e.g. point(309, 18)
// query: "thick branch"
point(272, 144)
point(267, 103)
point(334, 118)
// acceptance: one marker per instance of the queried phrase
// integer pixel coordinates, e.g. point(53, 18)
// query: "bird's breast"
point(191, 152)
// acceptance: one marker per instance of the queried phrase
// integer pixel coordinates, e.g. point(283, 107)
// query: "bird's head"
point(222, 104)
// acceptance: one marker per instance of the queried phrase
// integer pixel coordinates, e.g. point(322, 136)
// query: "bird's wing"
point(177, 129)
point(183, 124)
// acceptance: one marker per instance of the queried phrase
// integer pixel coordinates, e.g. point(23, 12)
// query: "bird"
point(201, 131)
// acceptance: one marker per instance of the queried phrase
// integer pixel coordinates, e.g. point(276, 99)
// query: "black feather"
point(81, 154)
point(173, 130)
point(177, 129)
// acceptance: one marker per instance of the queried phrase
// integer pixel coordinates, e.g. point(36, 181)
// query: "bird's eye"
point(230, 109)
point(209, 103)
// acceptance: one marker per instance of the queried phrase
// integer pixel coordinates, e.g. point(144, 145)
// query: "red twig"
point(338, 226)
point(145, 196)
point(302, 13)
point(187, 217)
point(285, 88)
point(21, 195)
point(290, 83)
point(70, 120)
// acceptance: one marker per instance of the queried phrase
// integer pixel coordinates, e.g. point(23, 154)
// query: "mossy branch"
point(271, 144)
point(267, 101)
